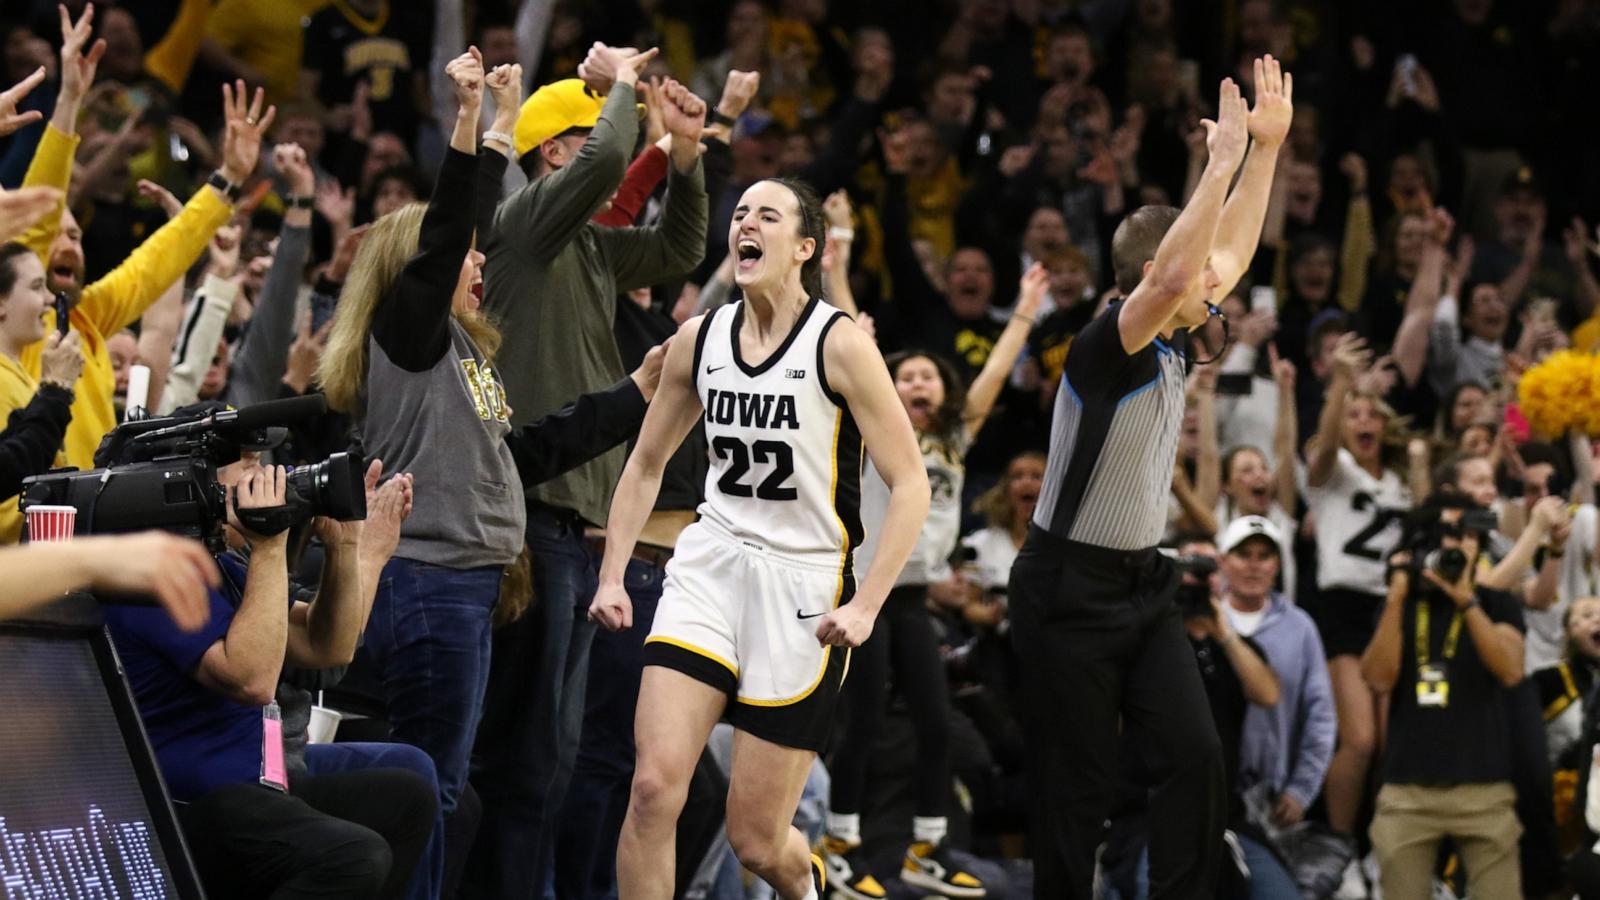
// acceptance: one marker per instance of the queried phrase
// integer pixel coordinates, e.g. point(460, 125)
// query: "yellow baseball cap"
point(553, 109)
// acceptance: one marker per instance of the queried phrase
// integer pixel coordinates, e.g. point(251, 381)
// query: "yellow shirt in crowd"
point(268, 37)
point(117, 300)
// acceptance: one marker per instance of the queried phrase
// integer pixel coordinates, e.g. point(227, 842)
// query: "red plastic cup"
point(51, 523)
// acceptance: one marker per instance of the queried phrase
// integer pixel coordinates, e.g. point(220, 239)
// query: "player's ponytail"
point(812, 225)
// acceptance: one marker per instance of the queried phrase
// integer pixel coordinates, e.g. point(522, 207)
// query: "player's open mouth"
point(749, 253)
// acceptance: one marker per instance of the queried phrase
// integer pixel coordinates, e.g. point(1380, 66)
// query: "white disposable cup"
point(324, 724)
point(51, 523)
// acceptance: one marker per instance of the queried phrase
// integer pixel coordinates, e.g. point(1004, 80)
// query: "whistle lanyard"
point(1451, 637)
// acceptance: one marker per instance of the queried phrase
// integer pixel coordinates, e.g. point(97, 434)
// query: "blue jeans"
point(331, 759)
point(586, 854)
point(1269, 880)
point(534, 714)
point(428, 638)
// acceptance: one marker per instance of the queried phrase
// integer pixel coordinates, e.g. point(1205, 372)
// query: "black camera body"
point(1195, 599)
point(162, 473)
point(1425, 541)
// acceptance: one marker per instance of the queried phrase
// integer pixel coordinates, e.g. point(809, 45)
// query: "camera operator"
point(207, 701)
point(1448, 650)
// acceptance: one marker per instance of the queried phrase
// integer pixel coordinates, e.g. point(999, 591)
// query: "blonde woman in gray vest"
point(412, 361)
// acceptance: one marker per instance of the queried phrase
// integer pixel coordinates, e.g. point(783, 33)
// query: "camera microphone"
point(272, 412)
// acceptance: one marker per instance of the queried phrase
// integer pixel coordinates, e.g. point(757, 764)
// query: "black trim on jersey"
point(701, 669)
point(805, 724)
point(1106, 383)
point(847, 462)
point(822, 363)
point(699, 348)
point(794, 332)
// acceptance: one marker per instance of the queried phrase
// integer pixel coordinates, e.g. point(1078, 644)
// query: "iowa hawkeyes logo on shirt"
point(488, 395)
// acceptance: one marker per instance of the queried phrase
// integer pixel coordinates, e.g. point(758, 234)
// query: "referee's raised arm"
point(1168, 280)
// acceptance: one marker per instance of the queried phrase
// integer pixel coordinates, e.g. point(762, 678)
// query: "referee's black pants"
point(1101, 647)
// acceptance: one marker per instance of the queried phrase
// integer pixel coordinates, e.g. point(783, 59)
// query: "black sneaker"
point(844, 866)
point(928, 867)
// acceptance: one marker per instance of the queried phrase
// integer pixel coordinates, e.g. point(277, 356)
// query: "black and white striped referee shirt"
point(1113, 440)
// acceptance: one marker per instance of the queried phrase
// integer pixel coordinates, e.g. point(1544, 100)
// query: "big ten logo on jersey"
point(488, 395)
point(379, 58)
point(748, 410)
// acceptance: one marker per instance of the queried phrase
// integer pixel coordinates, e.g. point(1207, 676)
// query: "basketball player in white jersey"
point(761, 603)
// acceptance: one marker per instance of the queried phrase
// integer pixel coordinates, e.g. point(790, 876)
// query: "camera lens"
point(334, 488)
point(1447, 563)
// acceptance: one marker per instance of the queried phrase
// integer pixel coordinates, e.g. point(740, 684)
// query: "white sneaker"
point(1354, 885)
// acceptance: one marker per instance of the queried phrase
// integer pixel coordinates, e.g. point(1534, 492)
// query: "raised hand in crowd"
point(344, 253)
point(737, 91)
point(223, 252)
point(505, 86)
point(605, 66)
point(655, 129)
point(1379, 378)
point(305, 354)
point(22, 207)
point(289, 160)
point(164, 199)
point(684, 114)
point(338, 205)
point(1257, 327)
point(648, 375)
point(10, 119)
point(77, 67)
point(62, 361)
point(1354, 168)
point(466, 77)
point(1350, 357)
point(245, 125)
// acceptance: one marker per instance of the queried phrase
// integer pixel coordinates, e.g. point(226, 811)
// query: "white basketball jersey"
point(785, 453)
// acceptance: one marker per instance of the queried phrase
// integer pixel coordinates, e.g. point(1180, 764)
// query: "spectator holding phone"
point(37, 410)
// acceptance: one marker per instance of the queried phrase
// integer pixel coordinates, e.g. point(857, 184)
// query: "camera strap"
point(1452, 637)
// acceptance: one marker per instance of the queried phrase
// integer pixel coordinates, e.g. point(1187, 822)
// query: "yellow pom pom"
point(1562, 394)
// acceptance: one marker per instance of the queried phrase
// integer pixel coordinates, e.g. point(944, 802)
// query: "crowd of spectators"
point(263, 199)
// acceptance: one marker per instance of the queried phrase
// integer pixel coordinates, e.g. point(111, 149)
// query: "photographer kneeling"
point(1448, 650)
point(206, 699)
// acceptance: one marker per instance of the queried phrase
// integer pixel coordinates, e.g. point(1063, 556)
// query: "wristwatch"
point(224, 187)
point(293, 202)
point(717, 118)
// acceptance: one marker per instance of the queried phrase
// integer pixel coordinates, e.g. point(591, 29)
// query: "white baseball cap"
point(1246, 527)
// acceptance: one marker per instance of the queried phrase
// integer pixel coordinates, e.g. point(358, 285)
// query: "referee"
point(1096, 629)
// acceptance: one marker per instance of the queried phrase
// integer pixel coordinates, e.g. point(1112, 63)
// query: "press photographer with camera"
point(1449, 650)
point(207, 701)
